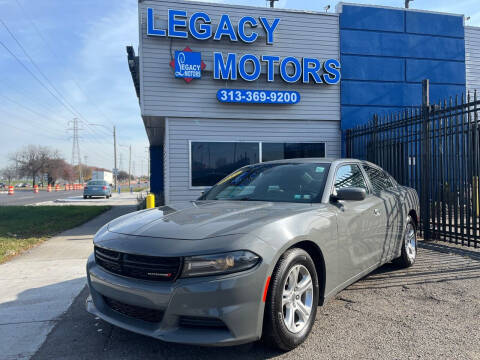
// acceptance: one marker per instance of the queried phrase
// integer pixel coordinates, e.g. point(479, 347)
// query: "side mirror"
point(349, 193)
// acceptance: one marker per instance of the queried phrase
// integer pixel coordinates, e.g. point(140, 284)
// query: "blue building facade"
point(386, 53)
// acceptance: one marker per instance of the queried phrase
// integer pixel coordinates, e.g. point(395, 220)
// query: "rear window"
point(97, 182)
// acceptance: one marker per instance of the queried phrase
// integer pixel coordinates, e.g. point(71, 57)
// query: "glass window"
point(212, 161)
point(97, 182)
point(277, 182)
point(280, 151)
point(378, 178)
point(349, 176)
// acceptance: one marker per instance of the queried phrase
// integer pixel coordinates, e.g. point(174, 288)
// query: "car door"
point(359, 224)
point(390, 206)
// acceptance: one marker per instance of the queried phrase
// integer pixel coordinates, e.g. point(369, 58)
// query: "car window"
point(379, 179)
point(98, 182)
point(350, 176)
point(282, 182)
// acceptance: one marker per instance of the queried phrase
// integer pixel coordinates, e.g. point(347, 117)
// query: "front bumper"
point(88, 192)
point(234, 300)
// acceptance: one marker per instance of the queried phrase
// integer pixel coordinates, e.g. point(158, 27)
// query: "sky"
point(72, 64)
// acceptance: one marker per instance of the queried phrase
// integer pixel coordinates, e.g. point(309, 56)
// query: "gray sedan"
point(253, 256)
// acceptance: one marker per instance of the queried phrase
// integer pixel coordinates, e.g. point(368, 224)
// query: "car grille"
point(201, 322)
point(137, 312)
point(138, 266)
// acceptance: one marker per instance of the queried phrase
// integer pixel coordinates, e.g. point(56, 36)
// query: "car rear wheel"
point(84, 196)
point(409, 246)
point(292, 300)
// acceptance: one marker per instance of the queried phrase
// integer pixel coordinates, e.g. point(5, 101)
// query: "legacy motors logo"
point(187, 64)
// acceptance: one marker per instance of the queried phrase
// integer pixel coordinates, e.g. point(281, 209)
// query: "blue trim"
point(156, 171)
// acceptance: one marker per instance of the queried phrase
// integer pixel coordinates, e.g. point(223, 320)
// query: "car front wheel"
point(292, 300)
point(409, 246)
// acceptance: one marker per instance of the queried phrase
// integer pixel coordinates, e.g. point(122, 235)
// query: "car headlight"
point(216, 264)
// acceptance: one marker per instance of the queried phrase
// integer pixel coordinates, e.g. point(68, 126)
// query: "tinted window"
point(212, 161)
point(279, 151)
point(379, 180)
point(97, 182)
point(349, 176)
point(293, 182)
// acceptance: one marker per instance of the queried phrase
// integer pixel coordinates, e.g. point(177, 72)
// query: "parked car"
point(254, 255)
point(97, 188)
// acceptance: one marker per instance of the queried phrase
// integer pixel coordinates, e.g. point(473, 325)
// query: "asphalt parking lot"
point(27, 197)
point(430, 311)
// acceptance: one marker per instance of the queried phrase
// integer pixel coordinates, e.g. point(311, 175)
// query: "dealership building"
point(223, 86)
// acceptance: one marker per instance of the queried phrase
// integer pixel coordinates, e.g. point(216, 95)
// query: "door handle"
point(376, 212)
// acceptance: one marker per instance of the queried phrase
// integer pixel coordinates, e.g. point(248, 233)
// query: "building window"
point(212, 161)
point(279, 151)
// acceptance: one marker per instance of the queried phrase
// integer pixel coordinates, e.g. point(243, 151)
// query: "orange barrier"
point(10, 190)
point(49, 188)
point(35, 189)
point(69, 187)
point(57, 187)
point(66, 187)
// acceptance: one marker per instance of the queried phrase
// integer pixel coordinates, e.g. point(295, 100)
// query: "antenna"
point(272, 3)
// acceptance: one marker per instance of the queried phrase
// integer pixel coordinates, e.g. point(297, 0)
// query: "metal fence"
point(434, 149)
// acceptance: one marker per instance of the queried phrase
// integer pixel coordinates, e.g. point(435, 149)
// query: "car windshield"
point(97, 183)
point(277, 182)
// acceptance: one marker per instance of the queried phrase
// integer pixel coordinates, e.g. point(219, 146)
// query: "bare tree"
point(57, 168)
point(9, 173)
point(32, 160)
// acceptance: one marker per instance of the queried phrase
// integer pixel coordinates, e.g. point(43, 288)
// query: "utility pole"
point(115, 156)
point(129, 164)
point(76, 158)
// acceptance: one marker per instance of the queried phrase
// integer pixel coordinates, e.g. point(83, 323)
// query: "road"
point(27, 197)
point(430, 311)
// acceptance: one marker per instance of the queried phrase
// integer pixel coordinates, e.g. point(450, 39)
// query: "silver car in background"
point(253, 256)
point(97, 188)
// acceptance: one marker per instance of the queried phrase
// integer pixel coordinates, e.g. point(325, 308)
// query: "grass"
point(125, 188)
point(22, 227)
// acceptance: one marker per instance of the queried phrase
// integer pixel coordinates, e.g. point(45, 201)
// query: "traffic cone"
point(49, 188)
point(57, 187)
point(35, 189)
point(10, 190)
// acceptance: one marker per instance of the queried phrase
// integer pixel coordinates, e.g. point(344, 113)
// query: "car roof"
point(311, 160)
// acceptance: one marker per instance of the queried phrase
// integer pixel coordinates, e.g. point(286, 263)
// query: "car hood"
point(198, 220)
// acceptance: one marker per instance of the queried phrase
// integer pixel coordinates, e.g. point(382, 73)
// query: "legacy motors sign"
point(232, 66)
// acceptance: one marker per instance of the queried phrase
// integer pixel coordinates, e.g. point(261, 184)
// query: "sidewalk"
point(40, 285)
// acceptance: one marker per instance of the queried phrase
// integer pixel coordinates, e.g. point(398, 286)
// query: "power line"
point(61, 98)
point(53, 52)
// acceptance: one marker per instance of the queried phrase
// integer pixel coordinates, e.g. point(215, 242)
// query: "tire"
point(409, 246)
point(84, 196)
point(276, 332)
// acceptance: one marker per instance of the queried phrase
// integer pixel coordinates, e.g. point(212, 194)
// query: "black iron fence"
point(436, 150)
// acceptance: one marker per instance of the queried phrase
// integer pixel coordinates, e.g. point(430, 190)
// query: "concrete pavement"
point(39, 286)
point(121, 199)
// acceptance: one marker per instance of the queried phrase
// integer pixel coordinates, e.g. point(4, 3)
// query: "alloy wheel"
point(297, 298)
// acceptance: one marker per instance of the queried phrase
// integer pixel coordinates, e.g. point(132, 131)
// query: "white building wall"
point(472, 58)
point(180, 131)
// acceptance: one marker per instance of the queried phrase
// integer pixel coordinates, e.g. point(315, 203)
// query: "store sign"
point(188, 64)
point(233, 66)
